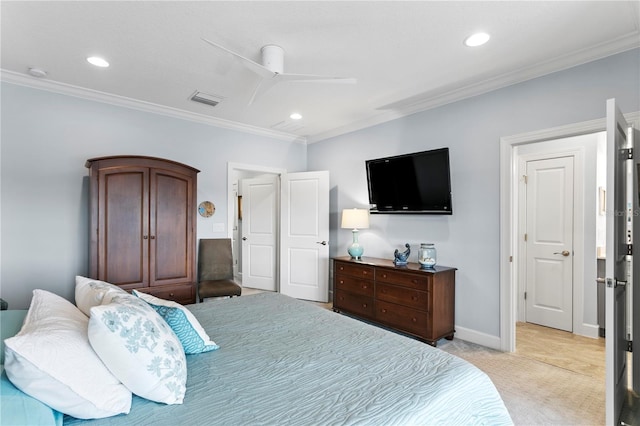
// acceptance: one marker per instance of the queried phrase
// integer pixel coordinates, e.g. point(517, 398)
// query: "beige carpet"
point(536, 393)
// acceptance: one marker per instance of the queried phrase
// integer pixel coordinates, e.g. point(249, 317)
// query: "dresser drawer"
point(417, 281)
point(403, 318)
point(354, 270)
point(354, 303)
point(403, 296)
point(183, 294)
point(354, 285)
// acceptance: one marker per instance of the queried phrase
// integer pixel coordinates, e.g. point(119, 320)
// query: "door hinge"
point(525, 237)
point(629, 345)
point(510, 259)
point(627, 153)
point(525, 295)
point(629, 249)
point(524, 178)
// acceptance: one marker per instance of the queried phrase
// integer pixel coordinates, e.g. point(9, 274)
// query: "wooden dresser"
point(415, 301)
point(143, 225)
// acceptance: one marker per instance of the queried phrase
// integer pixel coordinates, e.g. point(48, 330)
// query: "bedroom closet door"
point(304, 258)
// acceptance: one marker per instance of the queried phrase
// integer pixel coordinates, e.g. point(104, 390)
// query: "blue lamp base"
point(355, 249)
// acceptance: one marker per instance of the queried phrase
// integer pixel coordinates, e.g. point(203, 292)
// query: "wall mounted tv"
point(412, 183)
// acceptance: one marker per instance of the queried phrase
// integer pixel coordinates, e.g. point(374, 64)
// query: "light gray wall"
point(46, 139)
point(469, 239)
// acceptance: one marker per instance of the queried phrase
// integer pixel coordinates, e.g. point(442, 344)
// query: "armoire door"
point(170, 228)
point(123, 231)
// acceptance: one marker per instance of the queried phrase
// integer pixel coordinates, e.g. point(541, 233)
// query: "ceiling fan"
point(272, 72)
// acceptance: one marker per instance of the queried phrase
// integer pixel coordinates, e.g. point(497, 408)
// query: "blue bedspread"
point(286, 362)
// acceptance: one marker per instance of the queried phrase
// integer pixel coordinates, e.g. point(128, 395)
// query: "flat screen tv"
point(411, 183)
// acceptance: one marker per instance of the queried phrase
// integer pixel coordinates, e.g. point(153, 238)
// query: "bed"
point(284, 361)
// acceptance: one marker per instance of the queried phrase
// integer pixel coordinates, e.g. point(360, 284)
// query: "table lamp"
point(355, 219)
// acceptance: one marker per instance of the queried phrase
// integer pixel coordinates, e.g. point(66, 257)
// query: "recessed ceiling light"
point(97, 61)
point(295, 116)
point(37, 72)
point(477, 39)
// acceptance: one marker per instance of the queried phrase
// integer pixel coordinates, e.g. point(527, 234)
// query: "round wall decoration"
point(206, 209)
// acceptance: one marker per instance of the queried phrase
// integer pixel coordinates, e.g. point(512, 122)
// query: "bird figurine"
point(401, 258)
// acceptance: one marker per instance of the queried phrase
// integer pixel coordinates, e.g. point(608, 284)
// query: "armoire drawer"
point(417, 299)
point(183, 294)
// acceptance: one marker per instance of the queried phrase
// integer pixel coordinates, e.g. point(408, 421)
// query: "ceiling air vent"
point(205, 98)
point(288, 126)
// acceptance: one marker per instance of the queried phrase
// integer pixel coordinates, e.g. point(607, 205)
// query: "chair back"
point(215, 259)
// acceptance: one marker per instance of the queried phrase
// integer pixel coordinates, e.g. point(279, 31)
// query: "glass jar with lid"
point(427, 255)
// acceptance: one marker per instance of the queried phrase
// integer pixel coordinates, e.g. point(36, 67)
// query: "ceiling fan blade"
point(310, 78)
point(251, 65)
point(262, 87)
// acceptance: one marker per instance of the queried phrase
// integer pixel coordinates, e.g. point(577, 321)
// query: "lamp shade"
point(355, 218)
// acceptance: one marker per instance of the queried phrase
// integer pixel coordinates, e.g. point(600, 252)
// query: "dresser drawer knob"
point(384, 311)
point(364, 305)
point(414, 281)
point(341, 268)
point(414, 298)
point(341, 281)
point(364, 286)
point(170, 294)
point(414, 320)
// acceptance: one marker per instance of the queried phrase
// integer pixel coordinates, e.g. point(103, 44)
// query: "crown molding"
point(122, 101)
point(450, 94)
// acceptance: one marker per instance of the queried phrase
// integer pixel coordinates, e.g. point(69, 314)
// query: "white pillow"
point(51, 360)
point(139, 348)
point(193, 337)
point(90, 293)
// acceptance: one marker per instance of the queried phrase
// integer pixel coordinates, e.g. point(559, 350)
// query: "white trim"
point(459, 91)
point(391, 111)
point(477, 337)
point(122, 101)
point(508, 241)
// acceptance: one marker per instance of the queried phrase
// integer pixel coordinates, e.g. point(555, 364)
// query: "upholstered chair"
point(215, 269)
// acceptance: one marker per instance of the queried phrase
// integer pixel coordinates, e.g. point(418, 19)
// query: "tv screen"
point(410, 183)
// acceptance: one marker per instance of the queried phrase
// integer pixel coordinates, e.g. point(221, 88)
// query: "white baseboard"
point(588, 330)
point(477, 337)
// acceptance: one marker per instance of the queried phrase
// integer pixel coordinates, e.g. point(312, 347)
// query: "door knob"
point(565, 253)
point(324, 243)
point(244, 238)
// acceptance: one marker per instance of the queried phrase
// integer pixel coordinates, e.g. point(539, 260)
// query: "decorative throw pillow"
point(139, 348)
point(193, 337)
point(51, 360)
point(90, 293)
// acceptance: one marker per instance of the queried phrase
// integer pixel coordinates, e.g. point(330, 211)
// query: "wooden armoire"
point(143, 225)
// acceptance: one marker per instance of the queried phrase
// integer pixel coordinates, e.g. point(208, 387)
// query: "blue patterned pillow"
point(139, 348)
point(193, 337)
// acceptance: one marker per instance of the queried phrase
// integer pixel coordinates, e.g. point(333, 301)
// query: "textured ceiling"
point(406, 56)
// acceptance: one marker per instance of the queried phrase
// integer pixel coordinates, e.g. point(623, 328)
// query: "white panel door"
point(618, 261)
point(259, 232)
point(549, 242)
point(304, 259)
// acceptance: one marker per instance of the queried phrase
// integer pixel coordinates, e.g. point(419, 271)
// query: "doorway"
point(578, 140)
point(236, 172)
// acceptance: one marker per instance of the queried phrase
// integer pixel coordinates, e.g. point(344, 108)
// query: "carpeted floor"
point(536, 393)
